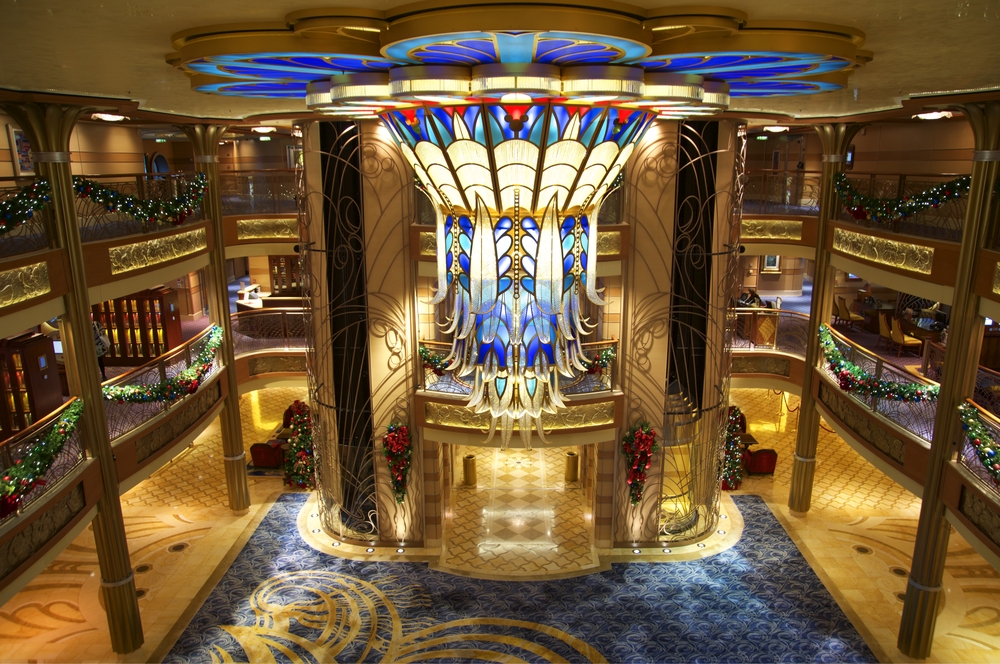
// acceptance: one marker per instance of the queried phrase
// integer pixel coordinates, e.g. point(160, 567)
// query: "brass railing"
point(25, 238)
point(943, 222)
point(581, 383)
point(268, 329)
point(258, 192)
point(771, 329)
point(13, 449)
point(782, 192)
point(916, 417)
point(128, 416)
point(969, 459)
point(97, 223)
point(985, 393)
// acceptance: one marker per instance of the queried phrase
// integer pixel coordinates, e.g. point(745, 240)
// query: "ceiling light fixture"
point(108, 117)
point(428, 82)
point(934, 115)
point(775, 129)
point(264, 130)
point(530, 79)
point(614, 81)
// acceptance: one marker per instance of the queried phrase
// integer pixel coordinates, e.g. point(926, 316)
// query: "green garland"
point(20, 208)
point(981, 439)
point(601, 361)
point(300, 462)
point(885, 210)
point(853, 378)
point(28, 471)
point(732, 468)
point(432, 360)
point(184, 383)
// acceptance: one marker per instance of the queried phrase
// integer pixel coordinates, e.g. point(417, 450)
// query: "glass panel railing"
point(258, 192)
point(771, 329)
point(782, 192)
point(29, 447)
point(127, 415)
point(268, 329)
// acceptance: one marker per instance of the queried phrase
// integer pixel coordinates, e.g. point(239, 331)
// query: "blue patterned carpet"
point(757, 602)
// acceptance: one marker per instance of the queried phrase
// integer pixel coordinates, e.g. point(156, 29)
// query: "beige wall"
point(178, 154)
point(259, 272)
point(251, 154)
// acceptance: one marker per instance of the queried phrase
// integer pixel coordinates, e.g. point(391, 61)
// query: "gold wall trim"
point(771, 229)
point(609, 243)
point(996, 279)
point(267, 229)
point(158, 250)
point(24, 283)
point(900, 255)
point(572, 417)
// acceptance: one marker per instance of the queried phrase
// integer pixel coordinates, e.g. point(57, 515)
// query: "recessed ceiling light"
point(934, 115)
point(701, 545)
point(776, 129)
point(315, 530)
point(399, 550)
point(369, 550)
point(666, 551)
point(335, 543)
point(264, 130)
point(722, 532)
point(108, 117)
point(723, 517)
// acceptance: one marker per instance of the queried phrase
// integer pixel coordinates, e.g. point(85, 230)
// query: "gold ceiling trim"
point(771, 229)
point(882, 251)
point(609, 243)
point(599, 414)
point(267, 229)
point(138, 255)
point(24, 283)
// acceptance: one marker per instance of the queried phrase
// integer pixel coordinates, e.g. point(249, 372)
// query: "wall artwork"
point(771, 265)
point(20, 152)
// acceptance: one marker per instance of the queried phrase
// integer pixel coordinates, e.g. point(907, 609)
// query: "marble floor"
point(858, 537)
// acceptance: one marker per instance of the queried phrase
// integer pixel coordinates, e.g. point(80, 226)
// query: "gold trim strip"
point(900, 255)
point(597, 414)
point(24, 283)
point(267, 229)
point(771, 229)
point(158, 250)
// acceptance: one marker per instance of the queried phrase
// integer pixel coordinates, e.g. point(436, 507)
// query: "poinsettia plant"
point(398, 449)
point(601, 361)
point(300, 464)
point(638, 446)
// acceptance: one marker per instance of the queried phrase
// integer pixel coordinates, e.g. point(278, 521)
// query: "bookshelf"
point(140, 326)
point(29, 382)
point(285, 276)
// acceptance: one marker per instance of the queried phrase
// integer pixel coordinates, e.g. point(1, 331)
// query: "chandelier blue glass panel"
point(517, 189)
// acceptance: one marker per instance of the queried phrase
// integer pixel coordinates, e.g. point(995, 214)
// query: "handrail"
point(280, 328)
point(759, 328)
point(969, 459)
point(14, 448)
point(126, 417)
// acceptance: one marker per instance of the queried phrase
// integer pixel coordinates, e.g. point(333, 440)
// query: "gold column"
point(923, 592)
point(205, 141)
point(49, 126)
point(835, 140)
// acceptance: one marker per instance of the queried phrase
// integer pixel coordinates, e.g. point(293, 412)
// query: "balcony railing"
point(599, 379)
point(14, 449)
point(258, 192)
point(782, 192)
point(969, 458)
point(985, 393)
point(23, 239)
point(268, 329)
point(915, 417)
point(944, 222)
point(128, 416)
point(771, 329)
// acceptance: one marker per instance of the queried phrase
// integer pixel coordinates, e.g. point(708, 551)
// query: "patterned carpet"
point(758, 601)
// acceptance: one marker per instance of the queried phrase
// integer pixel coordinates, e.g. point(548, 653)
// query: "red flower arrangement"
point(638, 446)
point(397, 448)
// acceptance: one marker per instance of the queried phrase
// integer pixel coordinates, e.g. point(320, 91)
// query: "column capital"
point(204, 138)
point(984, 118)
point(48, 125)
point(836, 139)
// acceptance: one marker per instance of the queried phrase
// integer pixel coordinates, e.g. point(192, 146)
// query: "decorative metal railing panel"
point(944, 222)
point(16, 448)
point(258, 192)
point(781, 192)
point(915, 417)
point(969, 458)
point(98, 223)
point(27, 237)
point(771, 329)
point(128, 416)
point(268, 329)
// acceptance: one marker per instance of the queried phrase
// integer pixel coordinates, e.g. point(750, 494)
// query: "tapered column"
point(205, 141)
point(48, 126)
point(835, 140)
point(923, 592)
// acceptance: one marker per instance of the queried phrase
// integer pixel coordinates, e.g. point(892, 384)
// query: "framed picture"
point(772, 264)
point(20, 152)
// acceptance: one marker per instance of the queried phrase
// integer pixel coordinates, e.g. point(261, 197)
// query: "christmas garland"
point(20, 208)
point(28, 471)
point(638, 446)
point(175, 387)
point(601, 361)
point(732, 467)
point(397, 448)
point(885, 210)
point(173, 210)
point(981, 439)
point(853, 378)
point(300, 463)
point(432, 360)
